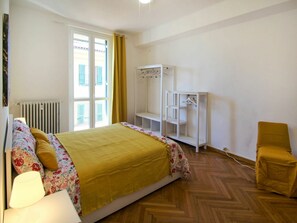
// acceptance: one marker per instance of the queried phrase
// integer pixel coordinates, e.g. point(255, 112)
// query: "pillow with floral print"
point(24, 158)
point(28, 137)
point(21, 126)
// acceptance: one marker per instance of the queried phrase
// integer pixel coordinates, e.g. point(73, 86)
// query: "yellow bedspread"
point(114, 161)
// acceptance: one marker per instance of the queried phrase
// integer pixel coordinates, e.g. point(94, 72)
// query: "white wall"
point(249, 69)
point(133, 60)
point(40, 58)
point(4, 8)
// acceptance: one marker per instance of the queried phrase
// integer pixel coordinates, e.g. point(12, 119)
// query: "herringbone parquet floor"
point(220, 190)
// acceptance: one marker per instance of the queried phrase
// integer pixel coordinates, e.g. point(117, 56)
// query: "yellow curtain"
point(119, 101)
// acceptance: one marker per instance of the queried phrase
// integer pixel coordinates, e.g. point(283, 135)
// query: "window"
point(90, 80)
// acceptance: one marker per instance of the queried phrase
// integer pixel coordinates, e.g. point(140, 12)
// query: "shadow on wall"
point(221, 122)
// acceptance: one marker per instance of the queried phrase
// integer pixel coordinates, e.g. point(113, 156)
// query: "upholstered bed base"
point(128, 199)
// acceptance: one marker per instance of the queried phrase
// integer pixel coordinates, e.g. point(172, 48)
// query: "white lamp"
point(27, 189)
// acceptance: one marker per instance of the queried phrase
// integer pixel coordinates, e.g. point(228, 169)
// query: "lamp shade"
point(27, 189)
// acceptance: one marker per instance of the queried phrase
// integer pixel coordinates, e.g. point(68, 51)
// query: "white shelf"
point(176, 107)
point(190, 93)
point(186, 117)
point(186, 139)
point(151, 82)
point(156, 133)
point(175, 121)
point(150, 116)
point(154, 66)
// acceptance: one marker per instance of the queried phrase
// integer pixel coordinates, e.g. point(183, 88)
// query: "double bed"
point(102, 169)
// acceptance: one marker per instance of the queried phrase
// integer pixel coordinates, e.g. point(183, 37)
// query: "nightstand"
point(56, 208)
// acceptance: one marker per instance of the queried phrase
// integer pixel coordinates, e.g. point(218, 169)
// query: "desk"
point(56, 208)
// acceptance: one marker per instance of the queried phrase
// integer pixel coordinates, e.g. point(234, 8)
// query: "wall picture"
point(5, 60)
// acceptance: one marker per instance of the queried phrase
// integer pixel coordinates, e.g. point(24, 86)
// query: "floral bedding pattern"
point(178, 160)
point(21, 126)
point(23, 153)
point(65, 177)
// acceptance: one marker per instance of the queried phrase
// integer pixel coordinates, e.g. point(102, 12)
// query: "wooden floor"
point(220, 191)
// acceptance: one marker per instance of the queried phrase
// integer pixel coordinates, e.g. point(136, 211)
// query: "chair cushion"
point(276, 170)
point(276, 154)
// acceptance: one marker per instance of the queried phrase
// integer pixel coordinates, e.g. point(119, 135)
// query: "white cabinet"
point(151, 82)
point(186, 117)
point(56, 207)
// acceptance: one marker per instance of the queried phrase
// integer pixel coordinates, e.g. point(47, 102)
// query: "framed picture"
point(5, 60)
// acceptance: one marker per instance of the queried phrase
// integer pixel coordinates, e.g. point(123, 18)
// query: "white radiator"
point(44, 115)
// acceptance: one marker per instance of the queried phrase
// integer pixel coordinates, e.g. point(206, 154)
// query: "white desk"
point(54, 208)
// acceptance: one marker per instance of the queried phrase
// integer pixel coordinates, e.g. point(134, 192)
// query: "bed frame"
point(126, 200)
point(100, 213)
point(8, 164)
point(5, 185)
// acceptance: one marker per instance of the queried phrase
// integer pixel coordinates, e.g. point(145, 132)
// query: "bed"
point(102, 169)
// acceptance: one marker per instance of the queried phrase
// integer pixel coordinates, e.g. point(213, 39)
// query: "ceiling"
point(123, 15)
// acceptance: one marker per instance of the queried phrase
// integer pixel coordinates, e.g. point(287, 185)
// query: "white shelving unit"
point(186, 117)
point(151, 82)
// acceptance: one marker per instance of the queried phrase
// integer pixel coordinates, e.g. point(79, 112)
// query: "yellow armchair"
point(276, 167)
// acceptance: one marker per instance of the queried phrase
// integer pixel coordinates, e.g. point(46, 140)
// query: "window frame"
point(92, 78)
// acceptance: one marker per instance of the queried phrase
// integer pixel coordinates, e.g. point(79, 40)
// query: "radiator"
point(44, 115)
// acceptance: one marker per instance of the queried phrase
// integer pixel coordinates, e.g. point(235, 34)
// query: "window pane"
point(81, 66)
point(100, 68)
point(101, 111)
point(81, 115)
